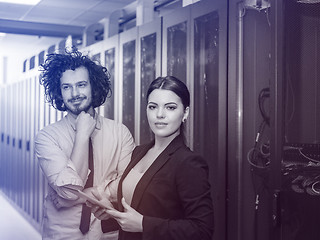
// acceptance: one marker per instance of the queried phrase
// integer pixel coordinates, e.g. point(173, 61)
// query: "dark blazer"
point(173, 195)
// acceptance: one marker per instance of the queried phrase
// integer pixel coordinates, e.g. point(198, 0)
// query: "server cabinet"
point(111, 62)
point(195, 50)
point(37, 172)
point(53, 113)
point(149, 67)
point(2, 136)
point(23, 163)
point(11, 162)
point(43, 187)
point(95, 52)
point(26, 151)
point(176, 39)
point(19, 143)
point(209, 80)
point(15, 160)
point(6, 142)
point(176, 32)
point(33, 165)
point(300, 188)
point(127, 78)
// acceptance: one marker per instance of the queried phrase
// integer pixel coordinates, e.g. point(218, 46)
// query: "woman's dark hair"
point(56, 64)
point(173, 84)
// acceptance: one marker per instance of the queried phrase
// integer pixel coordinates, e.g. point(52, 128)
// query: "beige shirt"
point(112, 148)
point(129, 184)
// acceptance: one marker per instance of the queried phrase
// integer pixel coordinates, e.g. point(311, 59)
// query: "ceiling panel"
point(109, 6)
point(55, 15)
point(75, 12)
point(75, 4)
point(13, 11)
point(71, 13)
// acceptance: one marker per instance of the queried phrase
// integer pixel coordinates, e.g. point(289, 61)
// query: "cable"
point(264, 94)
point(264, 166)
point(316, 190)
point(259, 158)
point(311, 159)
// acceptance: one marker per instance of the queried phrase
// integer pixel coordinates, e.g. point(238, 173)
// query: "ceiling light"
point(26, 2)
point(308, 1)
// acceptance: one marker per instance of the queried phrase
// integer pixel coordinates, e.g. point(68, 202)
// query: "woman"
point(164, 192)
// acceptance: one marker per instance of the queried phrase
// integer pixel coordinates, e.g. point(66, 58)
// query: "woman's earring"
point(184, 119)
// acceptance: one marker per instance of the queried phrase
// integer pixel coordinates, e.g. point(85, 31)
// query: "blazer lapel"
point(154, 168)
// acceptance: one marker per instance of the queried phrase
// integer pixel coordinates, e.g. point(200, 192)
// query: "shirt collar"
point(72, 120)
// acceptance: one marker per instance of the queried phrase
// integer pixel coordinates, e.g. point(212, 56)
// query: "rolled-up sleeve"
point(56, 165)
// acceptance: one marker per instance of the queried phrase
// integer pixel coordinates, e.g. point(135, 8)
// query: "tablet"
point(89, 198)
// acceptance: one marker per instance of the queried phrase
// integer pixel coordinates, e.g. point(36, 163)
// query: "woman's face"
point(165, 113)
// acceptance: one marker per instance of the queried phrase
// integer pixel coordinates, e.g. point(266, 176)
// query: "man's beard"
point(78, 109)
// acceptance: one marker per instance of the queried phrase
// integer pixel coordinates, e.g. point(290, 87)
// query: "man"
point(76, 84)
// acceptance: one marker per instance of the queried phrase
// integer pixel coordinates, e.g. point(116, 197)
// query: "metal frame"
point(276, 110)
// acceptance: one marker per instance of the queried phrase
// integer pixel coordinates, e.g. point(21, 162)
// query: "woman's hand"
point(129, 220)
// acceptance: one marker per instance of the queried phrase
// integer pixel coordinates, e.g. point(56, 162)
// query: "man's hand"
point(60, 202)
point(85, 124)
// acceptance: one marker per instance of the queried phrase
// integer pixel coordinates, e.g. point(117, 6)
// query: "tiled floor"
point(13, 226)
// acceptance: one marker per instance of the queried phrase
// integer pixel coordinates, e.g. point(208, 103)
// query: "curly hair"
point(56, 64)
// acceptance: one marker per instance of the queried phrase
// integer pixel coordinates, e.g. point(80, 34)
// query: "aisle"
point(13, 226)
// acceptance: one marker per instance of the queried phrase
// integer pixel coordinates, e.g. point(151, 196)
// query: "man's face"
point(76, 90)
